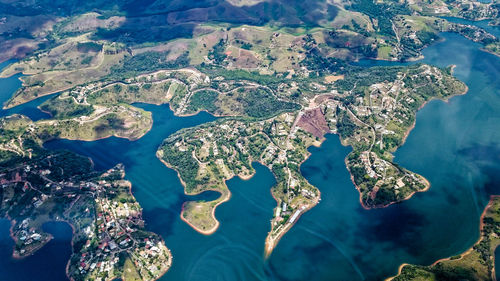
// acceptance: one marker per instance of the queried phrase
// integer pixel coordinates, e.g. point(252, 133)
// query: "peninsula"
point(37, 186)
point(278, 84)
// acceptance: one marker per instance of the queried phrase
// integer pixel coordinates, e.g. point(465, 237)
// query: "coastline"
point(269, 243)
point(50, 237)
point(427, 186)
point(488, 51)
point(225, 196)
point(405, 136)
point(104, 137)
point(9, 105)
point(481, 226)
point(212, 214)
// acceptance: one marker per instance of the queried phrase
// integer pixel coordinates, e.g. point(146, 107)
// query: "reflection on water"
point(454, 145)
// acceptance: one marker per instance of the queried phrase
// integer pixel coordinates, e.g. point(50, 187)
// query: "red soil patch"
point(314, 122)
point(246, 60)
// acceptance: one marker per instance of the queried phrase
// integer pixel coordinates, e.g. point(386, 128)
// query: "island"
point(276, 84)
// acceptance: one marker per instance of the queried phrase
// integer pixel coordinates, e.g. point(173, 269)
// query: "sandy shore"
point(270, 244)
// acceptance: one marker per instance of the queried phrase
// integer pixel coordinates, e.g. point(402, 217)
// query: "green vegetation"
point(393, 94)
point(217, 54)
point(62, 108)
point(278, 88)
point(382, 12)
point(40, 186)
point(474, 264)
point(203, 100)
point(86, 47)
point(146, 62)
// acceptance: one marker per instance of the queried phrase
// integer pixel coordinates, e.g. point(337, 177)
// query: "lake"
point(456, 145)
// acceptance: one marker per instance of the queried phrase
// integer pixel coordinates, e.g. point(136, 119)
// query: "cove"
point(8, 87)
point(456, 145)
point(484, 24)
point(49, 263)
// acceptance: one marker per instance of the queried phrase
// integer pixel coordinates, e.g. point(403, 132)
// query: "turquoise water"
point(456, 145)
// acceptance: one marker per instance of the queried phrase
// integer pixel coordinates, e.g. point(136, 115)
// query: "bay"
point(456, 145)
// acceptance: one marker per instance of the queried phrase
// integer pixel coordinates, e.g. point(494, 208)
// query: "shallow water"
point(456, 145)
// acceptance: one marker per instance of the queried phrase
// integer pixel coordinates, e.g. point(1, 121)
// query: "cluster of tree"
point(316, 61)
point(345, 125)
point(65, 108)
point(90, 46)
point(203, 100)
point(244, 45)
point(184, 163)
point(260, 103)
point(217, 53)
point(382, 12)
point(146, 62)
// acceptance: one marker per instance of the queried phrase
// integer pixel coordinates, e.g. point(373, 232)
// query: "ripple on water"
point(336, 240)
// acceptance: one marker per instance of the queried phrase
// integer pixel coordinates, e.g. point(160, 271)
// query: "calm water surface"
point(48, 263)
point(456, 145)
point(8, 87)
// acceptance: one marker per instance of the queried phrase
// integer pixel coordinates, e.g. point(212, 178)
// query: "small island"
point(38, 186)
point(276, 90)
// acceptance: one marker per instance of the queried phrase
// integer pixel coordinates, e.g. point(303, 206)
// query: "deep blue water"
point(456, 145)
point(8, 87)
point(48, 263)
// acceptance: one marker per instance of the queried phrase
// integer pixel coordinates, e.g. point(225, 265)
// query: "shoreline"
point(405, 136)
point(488, 51)
point(50, 237)
point(224, 197)
point(268, 247)
point(212, 214)
point(462, 254)
point(7, 105)
point(364, 206)
point(103, 137)
point(269, 244)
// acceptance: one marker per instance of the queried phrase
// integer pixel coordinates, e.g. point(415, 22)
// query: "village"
point(109, 238)
point(374, 117)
